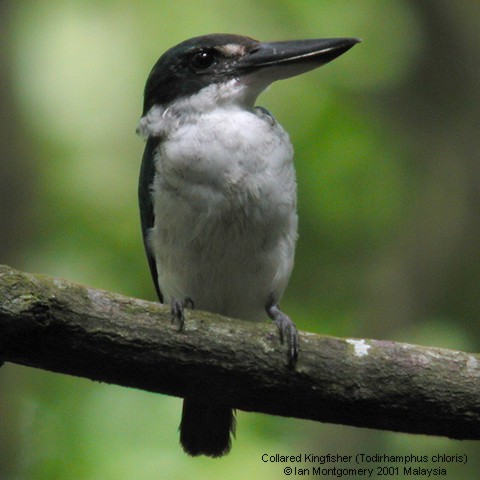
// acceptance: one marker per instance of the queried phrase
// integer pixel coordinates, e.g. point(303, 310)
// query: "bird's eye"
point(203, 60)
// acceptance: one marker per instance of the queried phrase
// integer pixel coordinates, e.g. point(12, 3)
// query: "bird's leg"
point(177, 311)
point(287, 330)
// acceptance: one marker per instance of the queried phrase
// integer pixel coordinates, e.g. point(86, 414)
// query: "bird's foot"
point(287, 330)
point(178, 311)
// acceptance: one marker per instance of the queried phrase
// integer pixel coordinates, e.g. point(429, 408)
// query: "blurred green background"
point(387, 140)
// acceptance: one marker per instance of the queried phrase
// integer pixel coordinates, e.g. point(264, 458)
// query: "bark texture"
point(56, 325)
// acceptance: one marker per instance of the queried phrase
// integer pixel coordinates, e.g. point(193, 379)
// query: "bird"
point(217, 193)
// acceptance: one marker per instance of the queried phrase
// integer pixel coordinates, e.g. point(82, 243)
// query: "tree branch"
point(59, 326)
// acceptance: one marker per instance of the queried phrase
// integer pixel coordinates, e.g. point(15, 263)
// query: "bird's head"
point(239, 67)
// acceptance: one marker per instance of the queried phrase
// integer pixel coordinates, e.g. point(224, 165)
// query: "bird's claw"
point(288, 331)
point(178, 311)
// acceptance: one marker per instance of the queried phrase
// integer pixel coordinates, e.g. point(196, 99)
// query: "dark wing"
point(147, 173)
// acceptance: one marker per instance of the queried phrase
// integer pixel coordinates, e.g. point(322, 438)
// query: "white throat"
point(231, 95)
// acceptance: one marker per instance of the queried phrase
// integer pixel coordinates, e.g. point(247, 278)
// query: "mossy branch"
point(56, 325)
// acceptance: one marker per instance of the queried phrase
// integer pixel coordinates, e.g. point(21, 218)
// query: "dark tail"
point(206, 428)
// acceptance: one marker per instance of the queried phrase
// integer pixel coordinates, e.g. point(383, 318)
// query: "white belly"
point(225, 216)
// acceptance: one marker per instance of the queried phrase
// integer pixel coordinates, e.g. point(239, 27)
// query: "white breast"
point(224, 199)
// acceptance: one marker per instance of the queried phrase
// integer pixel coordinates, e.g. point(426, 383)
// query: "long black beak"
point(278, 60)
